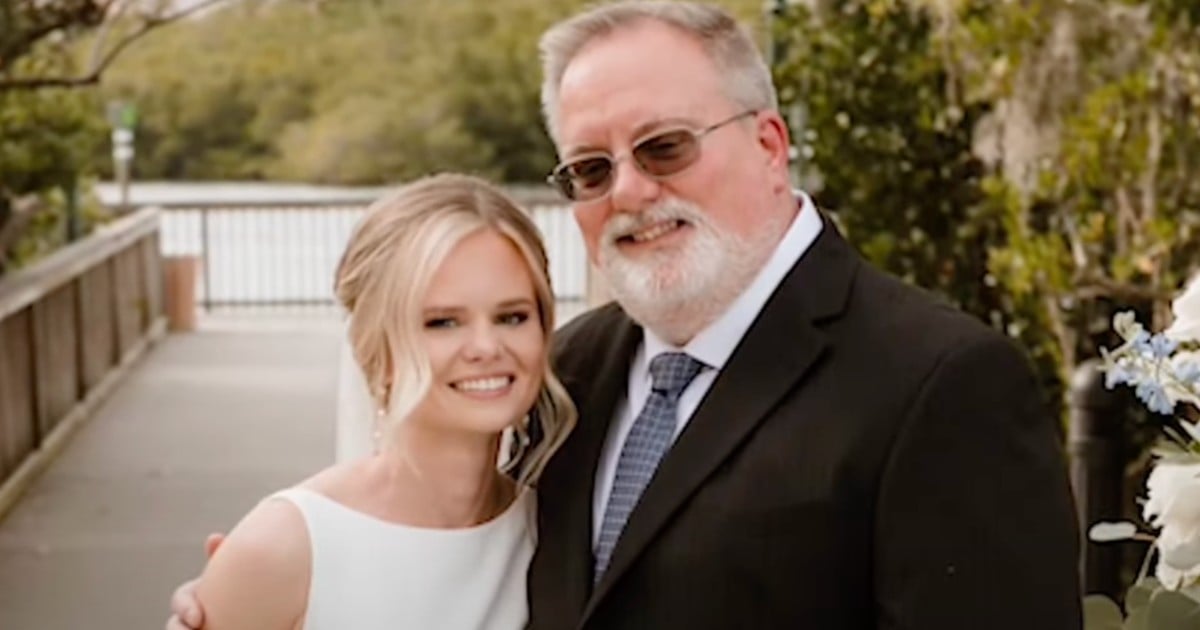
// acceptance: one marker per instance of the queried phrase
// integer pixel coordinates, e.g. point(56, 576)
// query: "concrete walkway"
point(205, 425)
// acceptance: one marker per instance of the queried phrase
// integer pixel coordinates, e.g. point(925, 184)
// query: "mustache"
point(624, 224)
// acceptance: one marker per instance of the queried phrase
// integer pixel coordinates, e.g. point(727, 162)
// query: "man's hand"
point(186, 612)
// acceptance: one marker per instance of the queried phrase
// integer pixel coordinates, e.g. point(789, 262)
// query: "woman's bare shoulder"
point(259, 576)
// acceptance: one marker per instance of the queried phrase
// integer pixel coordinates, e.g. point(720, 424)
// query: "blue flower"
point(1163, 346)
point(1155, 397)
point(1117, 375)
point(1157, 347)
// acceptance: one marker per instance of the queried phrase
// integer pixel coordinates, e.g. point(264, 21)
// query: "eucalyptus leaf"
point(1169, 610)
point(1138, 619)
point(1138, 595)
point(1192, 429)
point(1168, 450)
point(1101, 613)
point(1111, 532)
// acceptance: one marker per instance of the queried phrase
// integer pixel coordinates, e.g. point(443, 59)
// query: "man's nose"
point(632, 190)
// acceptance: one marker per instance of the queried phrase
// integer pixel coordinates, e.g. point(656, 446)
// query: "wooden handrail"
point(71, 326)
point(24, 287)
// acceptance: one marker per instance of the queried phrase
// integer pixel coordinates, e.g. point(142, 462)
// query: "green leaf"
point(1169, 610)
point(1109, 531)
point(1138, 595)
point(1138, 619)
point(1100, 613)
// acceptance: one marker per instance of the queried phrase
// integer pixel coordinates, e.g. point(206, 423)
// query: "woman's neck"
point(445, 479)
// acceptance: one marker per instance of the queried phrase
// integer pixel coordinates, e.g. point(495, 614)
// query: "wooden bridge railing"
point(70, 326)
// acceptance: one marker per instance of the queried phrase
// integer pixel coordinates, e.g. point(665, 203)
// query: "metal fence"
point(269, 255)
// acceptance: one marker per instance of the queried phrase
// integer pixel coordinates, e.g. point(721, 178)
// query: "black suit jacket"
point(868, 458)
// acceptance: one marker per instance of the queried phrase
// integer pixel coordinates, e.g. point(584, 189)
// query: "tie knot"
point(671, 372)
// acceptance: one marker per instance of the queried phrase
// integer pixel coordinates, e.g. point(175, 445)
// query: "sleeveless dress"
point(369, 574)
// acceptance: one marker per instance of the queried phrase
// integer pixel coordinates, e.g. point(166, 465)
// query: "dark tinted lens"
point(563, 183)
point(591, 172)
point(667, 153)
point(588, 177)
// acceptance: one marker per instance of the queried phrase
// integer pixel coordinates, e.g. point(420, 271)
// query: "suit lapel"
point(578, 458)
point(784, 337)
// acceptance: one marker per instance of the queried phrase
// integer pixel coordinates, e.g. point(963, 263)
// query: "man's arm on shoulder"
point(975, 526)
point(258, 578)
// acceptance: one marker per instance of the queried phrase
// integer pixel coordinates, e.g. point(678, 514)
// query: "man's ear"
point(775, 141)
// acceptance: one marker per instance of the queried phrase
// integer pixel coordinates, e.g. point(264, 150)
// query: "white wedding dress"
point(370, 574)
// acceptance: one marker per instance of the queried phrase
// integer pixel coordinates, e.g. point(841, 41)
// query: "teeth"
point(483, 384)
point(653, 232)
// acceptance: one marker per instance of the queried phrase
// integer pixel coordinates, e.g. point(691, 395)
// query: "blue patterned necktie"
point(652, 434)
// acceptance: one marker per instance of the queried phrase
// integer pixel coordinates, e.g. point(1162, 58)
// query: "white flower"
point(1186, 309)
point(1173, 504)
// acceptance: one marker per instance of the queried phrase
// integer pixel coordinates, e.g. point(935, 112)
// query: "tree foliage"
point(1033, 161)
point(29, 25)
point(50, 129)
point(888, 135)
point(348, 92)
point(1103, 212)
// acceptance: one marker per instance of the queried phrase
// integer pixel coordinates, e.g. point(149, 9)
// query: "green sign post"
point(123, 117)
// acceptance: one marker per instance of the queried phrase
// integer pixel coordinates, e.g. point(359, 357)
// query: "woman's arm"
point(258, 578)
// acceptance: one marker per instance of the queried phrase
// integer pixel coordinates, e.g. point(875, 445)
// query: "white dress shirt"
point(713, 346)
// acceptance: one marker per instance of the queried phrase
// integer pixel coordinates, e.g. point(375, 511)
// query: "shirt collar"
point(715, 344)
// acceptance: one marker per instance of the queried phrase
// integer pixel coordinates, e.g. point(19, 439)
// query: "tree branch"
point(32, 21)
point(1094, 287)
point(99, 65)
point(105, 27)
point(1154, 149)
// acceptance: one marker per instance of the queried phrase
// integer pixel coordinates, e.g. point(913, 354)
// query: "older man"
point(772, 433)
point(827, 448)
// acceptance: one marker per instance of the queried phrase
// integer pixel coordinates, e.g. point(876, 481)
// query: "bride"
point(450, 311)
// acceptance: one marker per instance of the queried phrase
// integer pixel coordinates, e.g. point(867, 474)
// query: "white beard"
point(676, 293)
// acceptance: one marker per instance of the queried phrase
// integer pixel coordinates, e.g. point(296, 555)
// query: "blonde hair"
point(386, 270)
point(730, 46)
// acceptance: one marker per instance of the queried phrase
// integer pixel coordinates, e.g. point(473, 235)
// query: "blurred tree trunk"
point(15, 216)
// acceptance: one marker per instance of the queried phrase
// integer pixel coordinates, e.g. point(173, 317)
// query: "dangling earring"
point(380, 417)
point(377, 432)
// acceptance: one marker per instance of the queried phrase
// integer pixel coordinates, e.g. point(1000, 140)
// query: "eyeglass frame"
point(558, 175)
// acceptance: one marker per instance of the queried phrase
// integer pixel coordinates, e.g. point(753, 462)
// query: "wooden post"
point(180, 292)
point(1095, 442)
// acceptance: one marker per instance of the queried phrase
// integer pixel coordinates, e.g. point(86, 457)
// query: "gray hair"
point(727, 42)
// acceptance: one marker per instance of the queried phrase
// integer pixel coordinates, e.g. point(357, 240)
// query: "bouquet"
point(1163, 368)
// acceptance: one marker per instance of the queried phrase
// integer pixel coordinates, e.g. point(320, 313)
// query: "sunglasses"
point(590, 176)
